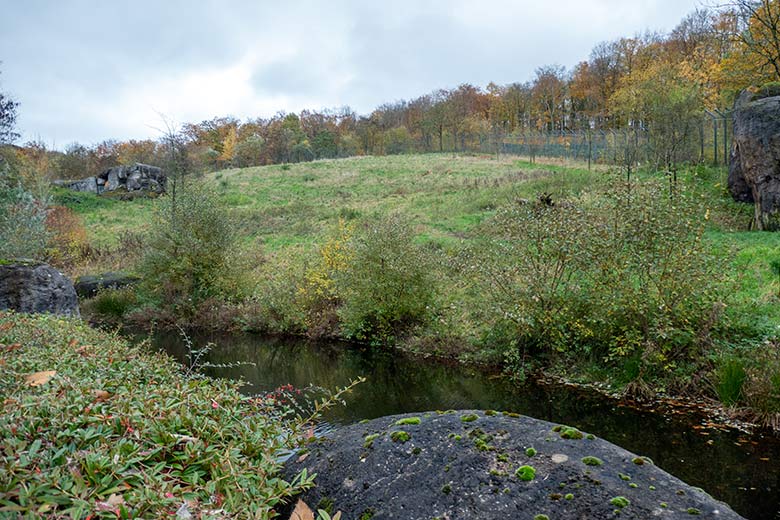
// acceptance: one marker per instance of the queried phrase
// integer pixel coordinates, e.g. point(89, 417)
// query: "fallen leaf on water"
point(302, 512)
point(337, 516)
point(765, 459)
point(40, 378)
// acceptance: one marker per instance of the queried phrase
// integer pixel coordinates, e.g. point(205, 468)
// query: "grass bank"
point(92, 427)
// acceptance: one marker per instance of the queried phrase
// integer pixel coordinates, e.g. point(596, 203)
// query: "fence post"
point(715, 133)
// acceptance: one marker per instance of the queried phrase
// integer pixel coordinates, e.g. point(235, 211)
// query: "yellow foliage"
point(229, 145)
point(318, 289)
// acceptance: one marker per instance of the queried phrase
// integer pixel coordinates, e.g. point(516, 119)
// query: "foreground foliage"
point(94, 427)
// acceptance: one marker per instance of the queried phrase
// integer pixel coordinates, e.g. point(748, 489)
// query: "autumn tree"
point(549, 94)
point(8, 107)
point(658, 99)
point(229, 146)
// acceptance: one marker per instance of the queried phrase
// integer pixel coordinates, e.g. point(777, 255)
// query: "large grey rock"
point(112, 179)
point(89, 285)
point(136, 177)
point(90, 184)
point(35, 287)
point(449, 468)
point(754, 169)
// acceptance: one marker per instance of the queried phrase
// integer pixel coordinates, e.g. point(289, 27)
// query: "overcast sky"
point(92, 70)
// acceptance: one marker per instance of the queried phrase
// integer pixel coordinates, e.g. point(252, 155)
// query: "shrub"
point(67, 236)
point(23, 232)
point(386, 288)
point(369, 282)
point(761, 389)
point(731, 377)
point(617, 276)
point(318, 297)
point(111, 304)
point(193, 252)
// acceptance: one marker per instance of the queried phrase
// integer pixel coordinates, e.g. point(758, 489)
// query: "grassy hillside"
point(294, 204)
point(460, 213)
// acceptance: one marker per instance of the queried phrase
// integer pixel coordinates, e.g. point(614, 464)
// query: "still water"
point(743, 471)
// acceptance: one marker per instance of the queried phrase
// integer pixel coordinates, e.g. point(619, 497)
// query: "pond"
point(741, 470)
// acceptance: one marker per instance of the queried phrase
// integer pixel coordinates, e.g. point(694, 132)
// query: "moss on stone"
point(571, 433)
point(446, 489)
point(624, 477)
point(490, 413)
point(541, 517)
point(510, 414)
point(592, 461)
point(368, 441)
point(400, 436)
point(620, 502)
point(693, 511)
point(530, 452)
point(568, 496)
point(469, 417)
point(526, 473)
point(407, 421)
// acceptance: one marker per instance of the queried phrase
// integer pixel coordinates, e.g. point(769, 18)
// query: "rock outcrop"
point(754, 169)
point(88, 286)
point(35, 287)
point(137, 177)
point(486, 465)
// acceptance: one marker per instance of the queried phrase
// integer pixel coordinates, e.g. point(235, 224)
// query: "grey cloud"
point(70, 62)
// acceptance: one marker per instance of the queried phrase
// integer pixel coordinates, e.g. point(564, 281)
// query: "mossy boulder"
point(88, 286)
point(405, 480)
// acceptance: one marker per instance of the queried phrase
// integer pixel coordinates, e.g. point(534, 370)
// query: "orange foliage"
point(68, 239)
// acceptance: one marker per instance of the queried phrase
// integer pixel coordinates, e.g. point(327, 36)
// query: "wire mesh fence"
point(706, 140)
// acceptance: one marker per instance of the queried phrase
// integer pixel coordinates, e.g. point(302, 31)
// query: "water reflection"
point(729, 468)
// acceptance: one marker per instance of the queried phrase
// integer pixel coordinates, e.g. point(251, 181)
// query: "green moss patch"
point(407, 421)
point(400, 436)
point(620, 502)
point(592, 461)
point(526, 473)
